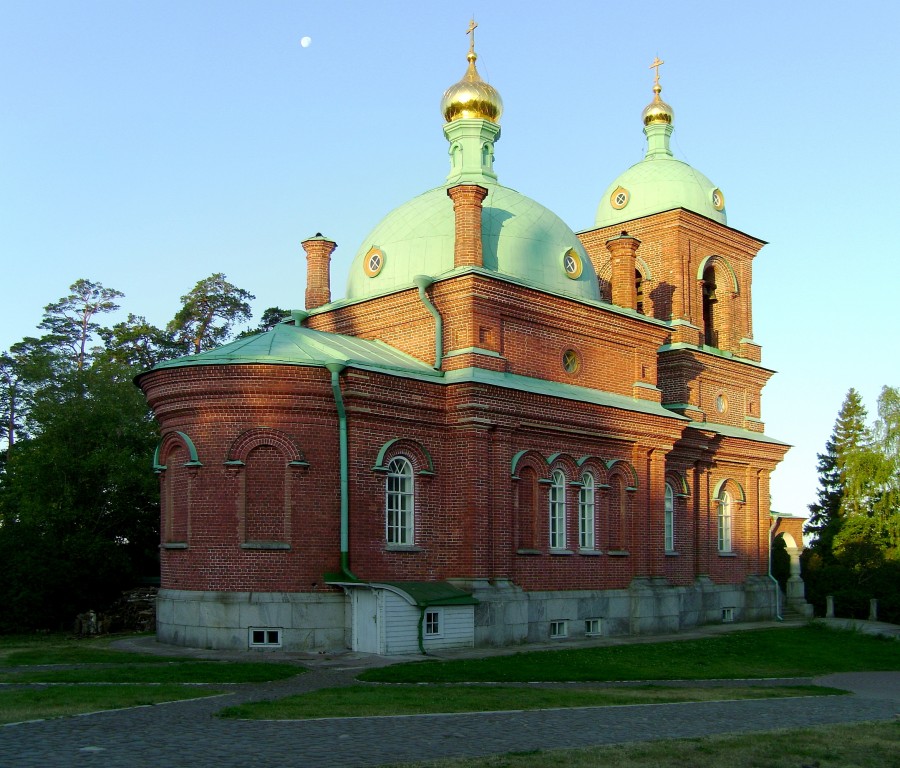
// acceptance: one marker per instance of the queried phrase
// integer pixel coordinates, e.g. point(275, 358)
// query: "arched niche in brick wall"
point(265, 464)
point(623, 482)
point(527, 468)
point(176, 461)
point(721, 314)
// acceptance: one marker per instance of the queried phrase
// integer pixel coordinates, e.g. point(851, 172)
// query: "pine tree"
point(849, 435)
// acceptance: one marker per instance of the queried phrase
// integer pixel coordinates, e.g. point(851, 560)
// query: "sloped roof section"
point(289, 344)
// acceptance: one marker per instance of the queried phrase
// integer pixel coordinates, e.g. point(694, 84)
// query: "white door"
point(365, 620)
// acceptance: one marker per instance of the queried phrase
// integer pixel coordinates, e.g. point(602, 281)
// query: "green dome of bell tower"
point(659, 182)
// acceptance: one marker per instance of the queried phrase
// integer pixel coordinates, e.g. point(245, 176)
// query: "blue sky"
point(146, 145)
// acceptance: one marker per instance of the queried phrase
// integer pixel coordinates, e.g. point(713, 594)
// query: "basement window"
point(727, 615)
point(592, 627)
point(265, 637)
point(558, 630)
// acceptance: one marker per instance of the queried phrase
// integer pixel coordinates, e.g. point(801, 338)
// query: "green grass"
point(171, 672)
point(783, 652)
point(37, 649)
point(868, 745)
point(62, 701)
point(366, 701)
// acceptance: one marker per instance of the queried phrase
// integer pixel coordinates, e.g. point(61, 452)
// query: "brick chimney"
point(623, 249)
point(467, 199)
point(318, 273)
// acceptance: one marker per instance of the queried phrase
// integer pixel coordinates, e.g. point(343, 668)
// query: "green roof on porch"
point(427, 593)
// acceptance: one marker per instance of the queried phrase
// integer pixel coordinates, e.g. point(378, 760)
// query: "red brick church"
point(505, 432)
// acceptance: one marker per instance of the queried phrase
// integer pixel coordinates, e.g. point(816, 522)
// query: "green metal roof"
point(520, 238)
point(728, 431)
point(426, 593)
point(659, 183)
point(289, 344)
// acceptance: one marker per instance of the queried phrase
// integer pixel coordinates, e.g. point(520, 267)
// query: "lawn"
point(18, 705)
point(867, 745)
point(784, 652)
point(365, 701)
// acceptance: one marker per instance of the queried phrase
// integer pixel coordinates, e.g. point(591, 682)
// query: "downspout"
point(420, 632)
point(335, 369)
point(778, 616)
point(422, 282)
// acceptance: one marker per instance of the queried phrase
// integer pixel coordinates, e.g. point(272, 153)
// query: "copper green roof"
point(289, 344)
point(520, 239)
point(727, 431)
point(659, 183)
point(425, 593)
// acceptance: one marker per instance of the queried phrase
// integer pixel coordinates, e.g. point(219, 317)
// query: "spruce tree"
point(849, 435)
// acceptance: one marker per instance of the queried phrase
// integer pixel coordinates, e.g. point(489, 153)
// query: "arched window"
point(669, 519)
point(724, 522)
point(639, 291)
point(558, 511)
point(586, 512)
point(710, 312)
point(399, 502)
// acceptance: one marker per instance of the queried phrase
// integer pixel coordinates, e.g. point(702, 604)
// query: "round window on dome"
point(571, 361)
point(718, 199)
point(619, 198)
point(572, 264)
point(374, 262)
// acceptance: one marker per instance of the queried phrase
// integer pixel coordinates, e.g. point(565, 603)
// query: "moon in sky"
point(305, 41)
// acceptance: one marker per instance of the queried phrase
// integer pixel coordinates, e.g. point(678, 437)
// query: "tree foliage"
point(79, 504)
point(855, 552)
point(209, 313)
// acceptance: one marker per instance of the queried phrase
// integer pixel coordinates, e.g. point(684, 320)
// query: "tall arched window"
point(558, 511)
point(724, 522)
point(586, 512)
point(399, 501)
point(669, 519)
point(710, 313)
point(639, 291)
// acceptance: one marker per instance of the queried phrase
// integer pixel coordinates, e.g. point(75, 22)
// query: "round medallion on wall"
point(571, 361)
point(721, 403)
point(619, 198)
point(374, 262)
point(572, 264)
point(718, 199)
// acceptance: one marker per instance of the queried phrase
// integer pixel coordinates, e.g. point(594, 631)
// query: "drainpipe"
point(335, 369)
point(422, 282)
point(421, 633)
point(778, 616)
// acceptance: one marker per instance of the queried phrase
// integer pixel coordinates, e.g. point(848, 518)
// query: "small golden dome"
point(471, 97)
point(657, 111)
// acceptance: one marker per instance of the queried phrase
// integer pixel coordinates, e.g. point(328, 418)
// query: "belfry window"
point(639, 291)
point(399, 502)
point(710, 310)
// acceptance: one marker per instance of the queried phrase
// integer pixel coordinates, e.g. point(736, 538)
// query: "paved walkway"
point(187, 733)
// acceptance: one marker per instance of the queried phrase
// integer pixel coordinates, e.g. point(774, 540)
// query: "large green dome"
point(520, 239)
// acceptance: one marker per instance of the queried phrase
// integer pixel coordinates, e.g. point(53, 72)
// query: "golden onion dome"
point(657, 111)
point(471, 97)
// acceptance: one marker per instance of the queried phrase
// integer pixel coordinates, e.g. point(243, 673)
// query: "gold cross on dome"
point(656, 65)
point(471, 31)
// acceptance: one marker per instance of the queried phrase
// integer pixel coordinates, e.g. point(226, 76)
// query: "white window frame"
point(399, 503)
point(433, 623)
point(669, 519)
point(559, 629)
point(593, 627)
point(723, 522)
point(586, 512)
point(558, 510)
